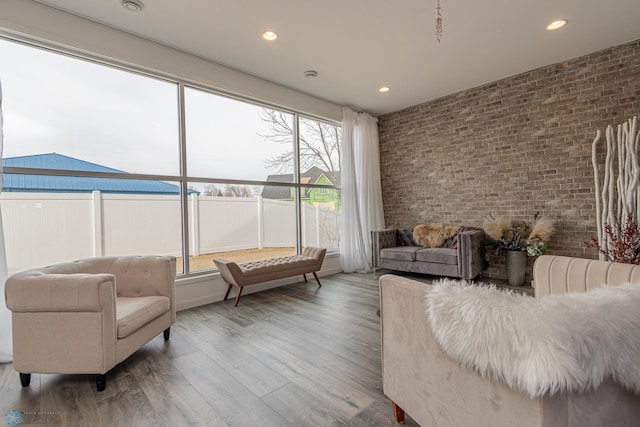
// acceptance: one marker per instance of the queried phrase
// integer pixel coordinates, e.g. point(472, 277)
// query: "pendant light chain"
point(438, 21)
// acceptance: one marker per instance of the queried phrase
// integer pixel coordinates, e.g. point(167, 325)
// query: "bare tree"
point(229, 190)
point(212, 190)
point(237, 191)
point(319, 143)
point(330, 229)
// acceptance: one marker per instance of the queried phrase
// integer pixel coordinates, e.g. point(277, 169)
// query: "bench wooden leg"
point(228, 290)
point(238, 296)
point(305, 278)
point(398, 413)
point(317, 280)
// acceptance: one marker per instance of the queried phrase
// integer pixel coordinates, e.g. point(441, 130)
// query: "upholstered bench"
point(251, 273)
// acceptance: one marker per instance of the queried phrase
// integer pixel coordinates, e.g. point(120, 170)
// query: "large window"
point(93, 167)
point(58, 104)
point(229, 139)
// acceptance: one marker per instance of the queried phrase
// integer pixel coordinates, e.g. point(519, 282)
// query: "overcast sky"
point(53, 103)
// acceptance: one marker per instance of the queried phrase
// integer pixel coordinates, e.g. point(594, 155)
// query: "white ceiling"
point(357, 46)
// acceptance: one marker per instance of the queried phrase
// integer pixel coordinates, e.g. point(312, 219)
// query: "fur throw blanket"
point(556, 343)
point(433, 236)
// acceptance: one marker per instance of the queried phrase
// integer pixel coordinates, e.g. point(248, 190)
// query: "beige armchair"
point(85, 317)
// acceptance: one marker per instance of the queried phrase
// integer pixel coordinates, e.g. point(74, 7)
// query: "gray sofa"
point(460, 257)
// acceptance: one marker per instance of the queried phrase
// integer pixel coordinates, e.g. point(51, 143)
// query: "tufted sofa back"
point(559, 274)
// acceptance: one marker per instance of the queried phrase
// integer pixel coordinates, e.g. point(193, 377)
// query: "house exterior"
point(325, 197)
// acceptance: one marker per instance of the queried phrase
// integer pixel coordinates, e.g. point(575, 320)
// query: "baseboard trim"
point(210, 289)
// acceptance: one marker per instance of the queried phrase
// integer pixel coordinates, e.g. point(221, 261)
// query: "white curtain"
point(361, 190)
point(6, 345)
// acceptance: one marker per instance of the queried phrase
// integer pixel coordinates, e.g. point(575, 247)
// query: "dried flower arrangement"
point(623, 242)
point(505, 234)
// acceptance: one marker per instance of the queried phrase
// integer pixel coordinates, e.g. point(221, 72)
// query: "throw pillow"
point(433, 236)
point(405, 237)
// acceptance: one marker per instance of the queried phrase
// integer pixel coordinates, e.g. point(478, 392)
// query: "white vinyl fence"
point(46, 228)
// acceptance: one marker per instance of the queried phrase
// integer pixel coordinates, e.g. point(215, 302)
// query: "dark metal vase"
point(516, 266)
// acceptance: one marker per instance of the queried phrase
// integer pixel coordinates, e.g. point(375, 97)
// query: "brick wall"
point(516, 146)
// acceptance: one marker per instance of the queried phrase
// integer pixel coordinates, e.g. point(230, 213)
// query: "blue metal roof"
point(74, 184)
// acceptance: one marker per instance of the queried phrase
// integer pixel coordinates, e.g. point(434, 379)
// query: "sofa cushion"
point(400, 253)
point(438, 255)
point(134, 312)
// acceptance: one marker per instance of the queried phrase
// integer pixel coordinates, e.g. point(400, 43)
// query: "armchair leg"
point(101, 383)
point(317, 280)
point(305, 278)
point(166, 333)
point(25, 379)
point(398, 413)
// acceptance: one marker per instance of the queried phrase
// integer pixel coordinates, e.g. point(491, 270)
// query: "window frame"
point(183, 178)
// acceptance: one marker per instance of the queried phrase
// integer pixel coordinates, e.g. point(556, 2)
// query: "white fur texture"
point(552, 344)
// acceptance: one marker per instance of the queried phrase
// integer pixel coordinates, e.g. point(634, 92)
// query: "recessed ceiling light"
point(384, 89)
point(270, 35)
point(555, 25)
point(133, 5)
point(311, 74)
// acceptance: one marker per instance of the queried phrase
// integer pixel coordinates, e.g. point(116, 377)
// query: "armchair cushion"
point(134, 312)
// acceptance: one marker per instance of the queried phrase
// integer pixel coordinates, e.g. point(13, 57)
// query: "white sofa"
point(435, 390)
point(86, 316)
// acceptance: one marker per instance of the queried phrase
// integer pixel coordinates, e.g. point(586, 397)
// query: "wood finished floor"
point(297, 355)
